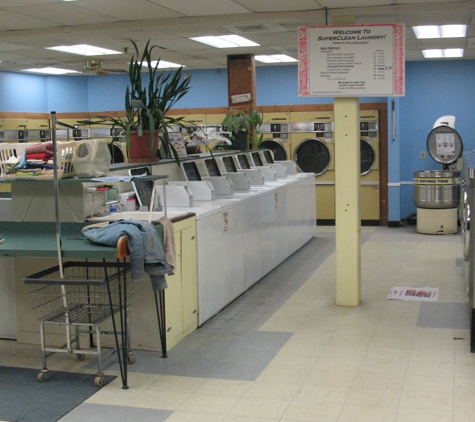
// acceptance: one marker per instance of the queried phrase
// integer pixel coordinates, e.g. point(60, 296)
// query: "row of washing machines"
point(309, 139)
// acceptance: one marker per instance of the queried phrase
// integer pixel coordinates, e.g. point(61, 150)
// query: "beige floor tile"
point(204, 403)
point(178, 416)
point(423, 415)
point(322, 394)
point(154, 399)
point(400, 355)
point(434, 384)
point(115, 396)
point(293, 361)
point(330, 378)
point(346, 364)
point(358, 413)
point(374, 380)
point(463, 415)
point(271, 390)
point(422, 355)
point(383, 366)
point(434, 343)
point(464, 385)
point(374, 397)
point(430, 369)
point(426, 400)
point(259, 408)
point(386, 340)
point(464, 401)
point(302, 349)
point(344, 352)
point(283, 375)
point(309, 411)
point(174, 383)
point(246, 419)
point(223, 387)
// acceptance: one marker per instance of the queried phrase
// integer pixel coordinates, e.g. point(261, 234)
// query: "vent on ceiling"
point(252, 28)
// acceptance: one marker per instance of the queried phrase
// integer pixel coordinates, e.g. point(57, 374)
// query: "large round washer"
point(367, 156)
point(312, 155)
point(277, 148)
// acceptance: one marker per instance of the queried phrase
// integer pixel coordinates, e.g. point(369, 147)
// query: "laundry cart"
point(88, 294)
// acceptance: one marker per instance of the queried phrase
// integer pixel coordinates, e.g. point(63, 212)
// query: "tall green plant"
point(158, 93)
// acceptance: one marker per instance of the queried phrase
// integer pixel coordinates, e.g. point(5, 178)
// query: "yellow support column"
point(347, 202)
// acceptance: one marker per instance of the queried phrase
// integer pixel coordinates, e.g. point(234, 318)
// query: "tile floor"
point(285, 352)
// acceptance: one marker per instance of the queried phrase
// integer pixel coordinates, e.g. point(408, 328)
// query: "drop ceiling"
point(27, 27)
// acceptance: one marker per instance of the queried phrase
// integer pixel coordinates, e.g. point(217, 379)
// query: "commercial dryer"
point(312, 147)
point(369, 156)
point(275, 130)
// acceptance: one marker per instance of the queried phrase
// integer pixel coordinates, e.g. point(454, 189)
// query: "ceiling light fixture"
point(164, 64)
point(275, 58)
point(226, 41)
point(442, 31)
point(83, 50)
point(443, 54)
point(50, 71)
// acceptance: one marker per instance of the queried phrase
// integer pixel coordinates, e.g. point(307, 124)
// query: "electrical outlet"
point(423, 154)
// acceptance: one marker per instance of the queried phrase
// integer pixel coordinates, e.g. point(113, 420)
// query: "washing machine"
point(275, 127)
point(369, 152)
point(312, 144)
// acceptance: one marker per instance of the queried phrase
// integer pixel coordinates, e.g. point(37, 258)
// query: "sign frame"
point(315, 43)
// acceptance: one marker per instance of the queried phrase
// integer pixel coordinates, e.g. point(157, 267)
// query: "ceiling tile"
point(61, 13)
point(127, 9)
point(202, 7)
point(280, 5)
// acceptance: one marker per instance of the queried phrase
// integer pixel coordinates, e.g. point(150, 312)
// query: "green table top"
point(33, 239)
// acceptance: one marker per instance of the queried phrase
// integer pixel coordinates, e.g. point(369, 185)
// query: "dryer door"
point(312, 155)
point(280, 154)
point(367, 156)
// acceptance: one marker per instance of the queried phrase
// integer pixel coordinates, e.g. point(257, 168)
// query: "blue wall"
point(433, 88)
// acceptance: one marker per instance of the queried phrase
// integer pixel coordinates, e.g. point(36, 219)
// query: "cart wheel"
point(81, 356)
point(98, 381)
point(130, 359)
point(41, 377)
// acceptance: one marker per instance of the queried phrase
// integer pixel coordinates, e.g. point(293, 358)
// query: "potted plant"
point(147, 101)
point(243, 128)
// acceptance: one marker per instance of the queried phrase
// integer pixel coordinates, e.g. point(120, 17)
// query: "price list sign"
point(351, 61)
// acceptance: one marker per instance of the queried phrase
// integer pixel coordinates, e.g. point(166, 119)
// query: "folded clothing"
point(45, 156)
point(39, 148)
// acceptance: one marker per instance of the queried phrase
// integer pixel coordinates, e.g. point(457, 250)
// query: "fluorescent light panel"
point(439, 53)
point(442, 31)
point(226, 41)
point(50, 71)
point(164, 64)
point(275, 58)
point(83, 50)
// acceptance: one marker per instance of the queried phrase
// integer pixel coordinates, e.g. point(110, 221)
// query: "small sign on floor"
point(426, 294)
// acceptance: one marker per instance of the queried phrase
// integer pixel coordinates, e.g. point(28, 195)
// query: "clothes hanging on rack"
point(145, 247)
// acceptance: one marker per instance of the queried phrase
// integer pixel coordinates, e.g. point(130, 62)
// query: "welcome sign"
point(351, 61)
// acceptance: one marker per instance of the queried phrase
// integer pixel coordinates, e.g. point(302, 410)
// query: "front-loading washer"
point(370, 175)
point(312, 147)
point(275, 129)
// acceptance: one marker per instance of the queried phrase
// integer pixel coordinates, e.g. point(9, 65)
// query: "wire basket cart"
point(88, 294)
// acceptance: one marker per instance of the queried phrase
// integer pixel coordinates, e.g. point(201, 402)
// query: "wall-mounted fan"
point(95, 67)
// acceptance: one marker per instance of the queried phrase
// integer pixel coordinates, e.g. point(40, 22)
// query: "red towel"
point(45, 156)
point(39, 148)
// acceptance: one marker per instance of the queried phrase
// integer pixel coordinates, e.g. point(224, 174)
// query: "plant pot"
point(139, 147)
point(241, 138)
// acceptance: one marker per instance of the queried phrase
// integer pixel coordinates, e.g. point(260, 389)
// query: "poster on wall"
point(351, 61)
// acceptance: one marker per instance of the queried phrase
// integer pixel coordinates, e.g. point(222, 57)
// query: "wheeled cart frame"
point(88, 294)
